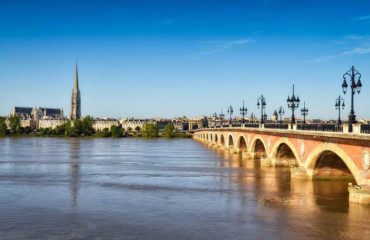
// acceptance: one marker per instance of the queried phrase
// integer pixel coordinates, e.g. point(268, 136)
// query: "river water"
point(162, 189)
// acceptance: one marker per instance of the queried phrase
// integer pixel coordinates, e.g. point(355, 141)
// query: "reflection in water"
point(74, 168)
point(162, 189)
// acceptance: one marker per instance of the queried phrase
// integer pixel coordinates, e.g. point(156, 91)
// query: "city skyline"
point(152, 59)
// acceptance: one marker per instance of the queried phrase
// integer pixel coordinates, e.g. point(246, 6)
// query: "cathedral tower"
point(76, 99)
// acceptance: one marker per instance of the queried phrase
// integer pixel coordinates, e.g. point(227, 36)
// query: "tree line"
point(84, 128)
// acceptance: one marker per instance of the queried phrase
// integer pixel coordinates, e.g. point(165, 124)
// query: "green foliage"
point(87, 126)
point(3, 127)
point(14, 124)
point(137, 128)
point(116, 132)
point(26, 130)
point(169, 131)
point(105, 133)
point(150, 130)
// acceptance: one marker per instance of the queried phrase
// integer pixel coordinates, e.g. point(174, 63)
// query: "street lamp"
point(304, 112)
point(253, 117)
point(281, 112)
point(230, 111)
point(293, 103)
point(243, 112)
point(261, 102)
point(215, 119)
point(353, 75)
point(222, 115)
point(339, 103)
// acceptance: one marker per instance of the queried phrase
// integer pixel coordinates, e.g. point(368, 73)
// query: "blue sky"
point(173, 58)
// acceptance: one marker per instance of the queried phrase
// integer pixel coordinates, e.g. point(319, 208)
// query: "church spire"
point(76, 98)
point(75, 86)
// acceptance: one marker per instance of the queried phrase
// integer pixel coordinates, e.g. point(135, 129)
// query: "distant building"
point(275, 116)
point(134, 124)
point(76, 99)
point(101, 123)
point(50, 123)
point(39, 117)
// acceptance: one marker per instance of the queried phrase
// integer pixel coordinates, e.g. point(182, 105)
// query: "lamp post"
point(339, 103)
point(230, 111)
point(261, 102)
point(222, 115)
point(243, 112)
point(293, 103)
point(304, 112)
point(215, 119)
point(352, 75)
point(265, 117)
point(253, 117)
point(281, 112)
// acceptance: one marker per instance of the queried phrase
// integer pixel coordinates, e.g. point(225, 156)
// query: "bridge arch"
point(242, 144)
point(258, 148)
point(222, 140)
point(321, 154)
point(230, 141)
point(284, 153)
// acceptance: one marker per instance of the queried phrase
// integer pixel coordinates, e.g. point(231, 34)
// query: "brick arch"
point(215, 138)
point(222, 140)
point(239, 141)
point(314, 156)
point(230, 136)
point(292, 147)
point(254, 141)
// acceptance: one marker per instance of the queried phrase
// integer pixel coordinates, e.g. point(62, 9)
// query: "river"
point(54, 188)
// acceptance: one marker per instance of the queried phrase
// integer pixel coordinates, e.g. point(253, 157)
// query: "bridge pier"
point(244, 154)
point(299, 173)
point(359, 194)
point(266, 162)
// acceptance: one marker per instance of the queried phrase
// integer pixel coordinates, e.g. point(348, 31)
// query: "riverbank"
point(127, 135)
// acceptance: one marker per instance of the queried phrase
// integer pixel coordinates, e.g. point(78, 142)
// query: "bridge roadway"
point(310, 154)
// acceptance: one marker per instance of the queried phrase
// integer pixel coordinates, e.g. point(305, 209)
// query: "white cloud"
point(362, 18)
point(220, 46)
point(362, 48)
point(354, 37)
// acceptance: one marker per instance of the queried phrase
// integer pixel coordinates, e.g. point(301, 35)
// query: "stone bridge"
point(314, 155)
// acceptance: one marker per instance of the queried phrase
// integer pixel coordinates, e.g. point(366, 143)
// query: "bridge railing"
point(251, 125)
point(320, 127)
point(276, 126)
point(365, 128)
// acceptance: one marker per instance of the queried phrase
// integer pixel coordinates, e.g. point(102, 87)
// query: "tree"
point(116, 132)
point(150, 130)
point(77, 128)
point(14, 124)
point(87, 126)
point(3, 127)
point(169, 131)
point(68, 129)
point(104, 133)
